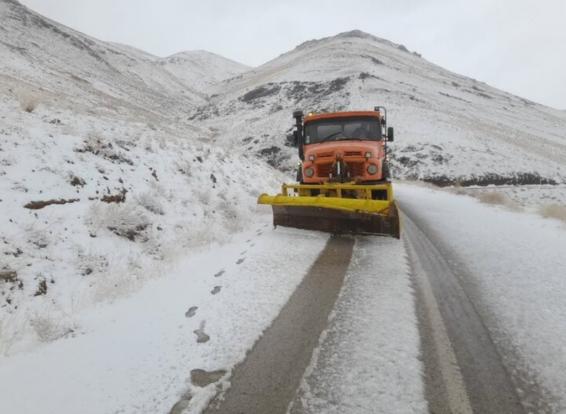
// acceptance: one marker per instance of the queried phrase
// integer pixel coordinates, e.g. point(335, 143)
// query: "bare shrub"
point(185, 167)
point(554, 211)
point(231, 215)
point(48, 329)
point(92, 263)
point(28, 101)
point(150, 203)
point(125, 220)
point(203, 197)
point(103, 147)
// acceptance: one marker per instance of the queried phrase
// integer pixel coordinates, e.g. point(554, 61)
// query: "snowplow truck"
point(343, 183)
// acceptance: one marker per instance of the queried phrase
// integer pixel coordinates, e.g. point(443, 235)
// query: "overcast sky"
point(515, 45)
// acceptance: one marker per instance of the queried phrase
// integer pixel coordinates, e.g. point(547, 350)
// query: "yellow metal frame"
point(339, 196)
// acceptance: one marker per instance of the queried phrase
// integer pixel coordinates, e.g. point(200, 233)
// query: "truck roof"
point(333, 115)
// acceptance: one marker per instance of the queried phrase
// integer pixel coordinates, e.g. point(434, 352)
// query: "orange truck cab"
point(342, 146)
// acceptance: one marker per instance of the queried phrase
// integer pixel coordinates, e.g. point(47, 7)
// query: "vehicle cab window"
point(342, 129)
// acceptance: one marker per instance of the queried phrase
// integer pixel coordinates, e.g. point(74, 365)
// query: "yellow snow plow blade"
point(336, 208)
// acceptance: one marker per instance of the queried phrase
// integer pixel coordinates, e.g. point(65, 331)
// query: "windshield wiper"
point(330, 136)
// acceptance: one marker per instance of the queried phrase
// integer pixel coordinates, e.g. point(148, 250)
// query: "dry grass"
point(554, 211)
point(497, 199)
point(493, 197)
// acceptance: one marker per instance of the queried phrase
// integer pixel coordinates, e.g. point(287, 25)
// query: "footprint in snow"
point(249, 241)
point(240, 260)
point(191, 312)
point(219, 273)
point(202, 378)
point(181, 405)
point(243, 253)
point(216, 290)
point(202, 337)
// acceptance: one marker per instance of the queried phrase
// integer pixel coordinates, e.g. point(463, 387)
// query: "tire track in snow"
point(266, 381)
point(443, 362)
point(465, 373)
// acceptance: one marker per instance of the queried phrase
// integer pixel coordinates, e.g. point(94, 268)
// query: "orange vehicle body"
point(356, 155)
point(343, 178)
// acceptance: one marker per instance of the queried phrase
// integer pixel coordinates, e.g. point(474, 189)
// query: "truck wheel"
point(300, 175)
point(385, 172)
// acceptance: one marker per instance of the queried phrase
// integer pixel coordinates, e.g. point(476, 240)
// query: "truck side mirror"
point(390, 134)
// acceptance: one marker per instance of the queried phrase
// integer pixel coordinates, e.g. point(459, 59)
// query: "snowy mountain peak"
point(346, 38)
point(203, 56)
point(69, 69)
point(357, 33)
point(202, 69)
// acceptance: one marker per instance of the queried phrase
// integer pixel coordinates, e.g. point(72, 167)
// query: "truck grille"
point(352, 154)
point(324, 170)
point(356, 169)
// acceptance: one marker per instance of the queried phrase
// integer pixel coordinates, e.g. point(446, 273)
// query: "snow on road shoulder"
point(137, 354)
point(368, 360)
point(517, 267)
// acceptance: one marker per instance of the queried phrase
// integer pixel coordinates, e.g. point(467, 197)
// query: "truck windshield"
point(342, 129)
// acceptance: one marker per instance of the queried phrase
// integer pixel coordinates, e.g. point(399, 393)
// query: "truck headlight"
point(372, 169)
point(311, 157)
point(368, 154)
point(309, 172)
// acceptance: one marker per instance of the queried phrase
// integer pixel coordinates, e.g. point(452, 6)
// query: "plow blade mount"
point(330, 208)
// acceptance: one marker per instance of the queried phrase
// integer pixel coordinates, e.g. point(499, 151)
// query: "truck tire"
point(385, 172)
point(300, 174)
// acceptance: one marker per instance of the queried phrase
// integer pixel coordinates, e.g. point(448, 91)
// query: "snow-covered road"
point(180, 340)
point(368, 360)
point(359, 355)
point(510, 268)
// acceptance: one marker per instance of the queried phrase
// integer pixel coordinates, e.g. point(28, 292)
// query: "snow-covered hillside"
point(69, 69)
point(449, 127)
point(102, 180)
